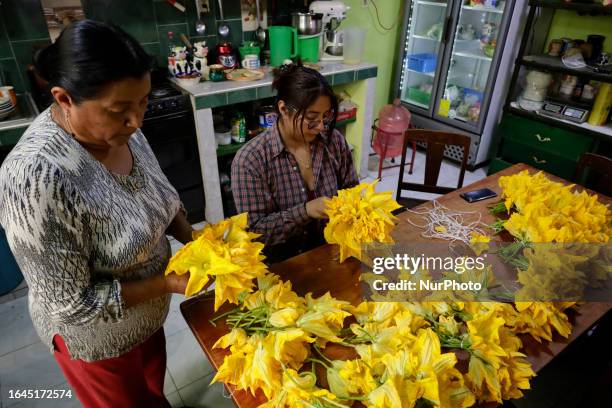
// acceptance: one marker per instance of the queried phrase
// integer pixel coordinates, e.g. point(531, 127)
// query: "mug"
point(250, 61)
point(9, 92)
point(216, 73)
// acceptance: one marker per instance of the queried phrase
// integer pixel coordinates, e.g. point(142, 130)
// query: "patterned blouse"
point(266, 183)
point(78, 230)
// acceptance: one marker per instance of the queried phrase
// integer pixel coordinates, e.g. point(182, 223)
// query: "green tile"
point(165, 13)
point(24, 19)
point(344, 77)
point(231, 9)
point(153, 50)
point(265, 92)
point(177, 30)
point(366, 73)
point(211, 101)
point(208, 18)
point(242, 95)
point(135, 17)
point(5, 46)
point(10, 137)
point(235, 32)
point(9, 73)
point(24, 54)
point(329, 78)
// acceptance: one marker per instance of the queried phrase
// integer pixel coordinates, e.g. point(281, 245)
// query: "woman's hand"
point(316, 208)
point(176, 283)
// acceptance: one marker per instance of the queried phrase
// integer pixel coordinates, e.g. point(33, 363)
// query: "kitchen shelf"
point(470, 55)
point(555, 64)
point(346, 121)
point(484, 9)
point(226, 150)
point(432, 3)
point(580, 7)
point(597, 131)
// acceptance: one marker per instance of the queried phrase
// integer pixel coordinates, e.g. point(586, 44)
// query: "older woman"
point(283, 176)
point(86, 209)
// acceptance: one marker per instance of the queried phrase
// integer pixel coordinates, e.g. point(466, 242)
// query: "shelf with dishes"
point(602, 130)
point(555, 64)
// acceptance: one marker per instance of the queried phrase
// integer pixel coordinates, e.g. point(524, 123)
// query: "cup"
point(354, 44)
point(216, 73)
point(250, 61)
point(9, 92)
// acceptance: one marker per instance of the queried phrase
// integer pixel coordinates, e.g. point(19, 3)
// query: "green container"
point(248, 47)
point(308, 48)
point(416, 95)
point(283, 44)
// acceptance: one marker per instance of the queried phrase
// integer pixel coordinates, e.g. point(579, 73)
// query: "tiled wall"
point(23, 29)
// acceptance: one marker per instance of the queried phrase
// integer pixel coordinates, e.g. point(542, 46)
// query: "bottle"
point(239, 128)
point(393, 120)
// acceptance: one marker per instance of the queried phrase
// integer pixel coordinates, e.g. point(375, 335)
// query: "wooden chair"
point(594, 172)
point(436, 142)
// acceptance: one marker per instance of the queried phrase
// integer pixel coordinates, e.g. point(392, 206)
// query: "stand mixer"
point(333, 13)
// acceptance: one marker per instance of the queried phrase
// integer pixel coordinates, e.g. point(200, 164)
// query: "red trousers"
point(134, 379)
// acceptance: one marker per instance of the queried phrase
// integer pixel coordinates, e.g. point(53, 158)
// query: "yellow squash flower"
point(359, 216)
point(224, 251)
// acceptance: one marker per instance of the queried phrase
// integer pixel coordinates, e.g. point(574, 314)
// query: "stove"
point(169, 128)
point(165, 99)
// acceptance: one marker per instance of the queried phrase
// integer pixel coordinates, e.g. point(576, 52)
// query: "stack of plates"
point(6, 107)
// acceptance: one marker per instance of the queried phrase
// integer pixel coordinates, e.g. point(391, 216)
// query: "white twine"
point(455, 224)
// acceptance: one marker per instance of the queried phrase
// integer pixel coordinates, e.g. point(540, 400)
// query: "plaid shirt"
point(266, 183)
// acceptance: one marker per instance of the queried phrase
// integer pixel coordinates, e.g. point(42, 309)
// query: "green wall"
point(382, 46)
point(567, 23)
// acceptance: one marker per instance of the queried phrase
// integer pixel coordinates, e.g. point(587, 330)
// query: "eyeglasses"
point(327, 119)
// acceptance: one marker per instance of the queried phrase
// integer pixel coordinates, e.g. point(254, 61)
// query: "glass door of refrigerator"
point(423, 53)
point(465, 89)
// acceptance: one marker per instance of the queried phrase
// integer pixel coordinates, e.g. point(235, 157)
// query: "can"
point(267, 117)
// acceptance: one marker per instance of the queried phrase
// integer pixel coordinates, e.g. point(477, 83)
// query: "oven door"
point(173, 140)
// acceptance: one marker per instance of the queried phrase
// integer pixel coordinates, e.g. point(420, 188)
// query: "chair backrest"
point(436, 142)
point(594, 172)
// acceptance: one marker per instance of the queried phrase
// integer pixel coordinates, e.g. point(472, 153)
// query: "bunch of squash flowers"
point(359, 216)
point(397, 354)
point(560, 249)
point(225, 252)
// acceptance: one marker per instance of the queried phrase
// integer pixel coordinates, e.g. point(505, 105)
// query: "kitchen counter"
point(13, 127)
point(359, 81)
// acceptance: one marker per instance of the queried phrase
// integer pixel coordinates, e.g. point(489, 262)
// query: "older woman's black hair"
point(87, 56)
point(299, 87)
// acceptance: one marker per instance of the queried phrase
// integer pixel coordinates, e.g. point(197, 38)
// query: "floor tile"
point(17, 328)
point(169, 386)
point(175, 399)
point(200, 394)
point(32, 367)
point(175, 321)
point(186, 360)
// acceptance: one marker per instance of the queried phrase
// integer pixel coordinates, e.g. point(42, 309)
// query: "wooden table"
point(319, 271)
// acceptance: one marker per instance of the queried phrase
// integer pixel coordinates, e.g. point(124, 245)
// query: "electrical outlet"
point(202, 6)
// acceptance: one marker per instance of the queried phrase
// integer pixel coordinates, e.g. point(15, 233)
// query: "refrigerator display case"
point(456, 63)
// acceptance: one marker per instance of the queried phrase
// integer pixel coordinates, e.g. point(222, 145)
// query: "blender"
point(331, 48)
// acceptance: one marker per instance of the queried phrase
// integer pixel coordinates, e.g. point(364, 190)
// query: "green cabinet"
point(10, 137)
point(540, 145)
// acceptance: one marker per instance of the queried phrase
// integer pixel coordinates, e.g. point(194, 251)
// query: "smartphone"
point(478, 195)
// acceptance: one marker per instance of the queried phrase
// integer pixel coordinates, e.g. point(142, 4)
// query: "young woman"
point(282, 177)
point(86, 209)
